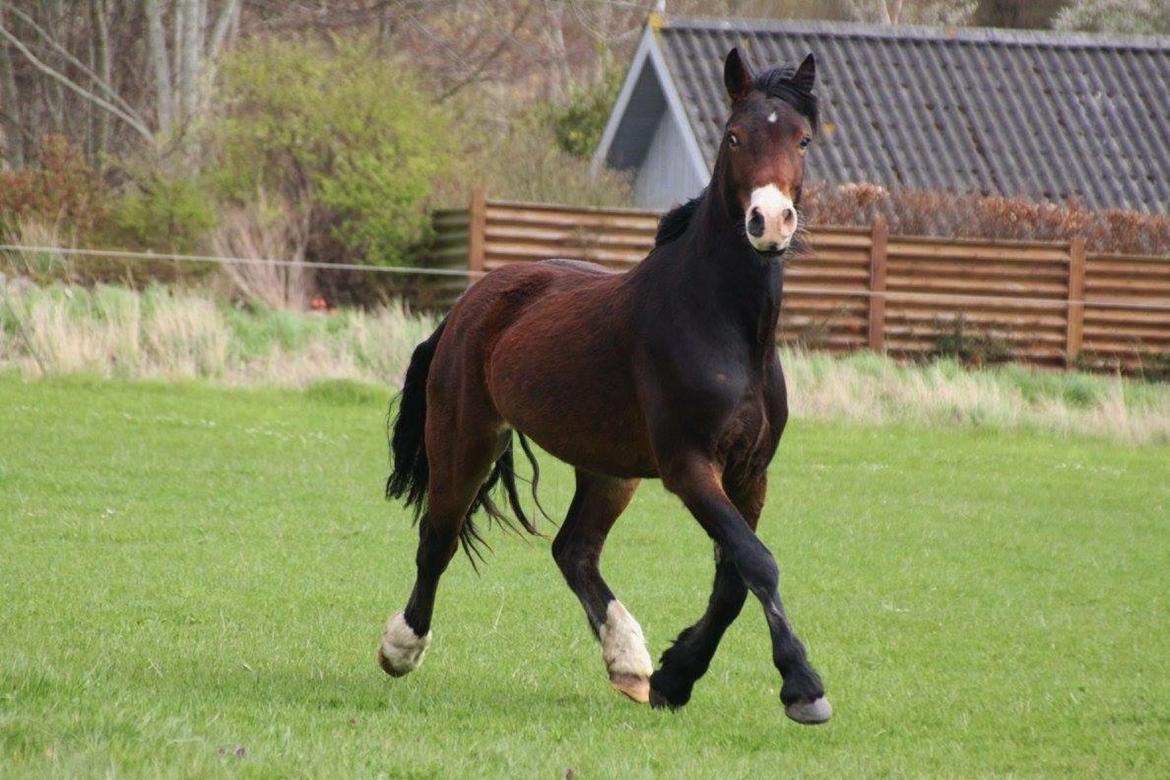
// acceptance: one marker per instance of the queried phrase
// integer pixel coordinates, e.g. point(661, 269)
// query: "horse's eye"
point(732, 140)
point(804, 142)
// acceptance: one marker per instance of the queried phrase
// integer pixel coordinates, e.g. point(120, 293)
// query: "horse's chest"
point(751, 434)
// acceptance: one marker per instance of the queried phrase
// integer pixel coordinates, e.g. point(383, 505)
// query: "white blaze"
point(780, 218)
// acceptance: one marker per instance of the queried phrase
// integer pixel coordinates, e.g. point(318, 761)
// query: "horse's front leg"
point(696, 480)
point(685, 661)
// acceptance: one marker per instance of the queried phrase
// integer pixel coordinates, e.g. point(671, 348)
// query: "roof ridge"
point(993, 35)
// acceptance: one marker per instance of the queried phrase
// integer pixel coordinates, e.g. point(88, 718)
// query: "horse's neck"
point(720, 266)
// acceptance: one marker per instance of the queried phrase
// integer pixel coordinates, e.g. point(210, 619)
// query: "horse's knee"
point(759, 570)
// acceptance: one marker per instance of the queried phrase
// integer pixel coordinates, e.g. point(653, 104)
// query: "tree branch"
point(65, 53)
point(486, 60)
point(129, 119)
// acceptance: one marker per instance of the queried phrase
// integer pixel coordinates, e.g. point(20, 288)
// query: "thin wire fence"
point(219, 260)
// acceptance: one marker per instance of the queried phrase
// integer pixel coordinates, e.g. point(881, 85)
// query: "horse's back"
point(582, 266)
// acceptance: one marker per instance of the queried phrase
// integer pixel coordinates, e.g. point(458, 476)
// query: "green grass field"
point(193, 582)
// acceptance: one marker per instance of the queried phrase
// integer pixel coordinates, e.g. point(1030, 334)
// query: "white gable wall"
point(648, 134)
point(666, 176)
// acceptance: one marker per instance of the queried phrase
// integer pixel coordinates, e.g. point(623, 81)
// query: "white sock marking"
point(401, 647)
point(623, 647)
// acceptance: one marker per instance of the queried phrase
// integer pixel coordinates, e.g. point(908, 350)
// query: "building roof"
point(1044, 114)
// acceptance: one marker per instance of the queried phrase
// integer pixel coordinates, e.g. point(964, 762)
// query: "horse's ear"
point(737, 77)
point(806, 74)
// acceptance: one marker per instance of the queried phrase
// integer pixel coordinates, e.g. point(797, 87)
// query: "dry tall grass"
point(177, 334)
point(265, 230)
point(42, 265)
point(874, 389)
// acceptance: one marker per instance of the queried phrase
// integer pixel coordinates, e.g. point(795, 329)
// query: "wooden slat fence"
point(450, 249)
point(1040, 302)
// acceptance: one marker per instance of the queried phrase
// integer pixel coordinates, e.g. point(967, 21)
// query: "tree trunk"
point(160, 64)
point(99, 13)
point(10, 103)
point(225, 27)
point(178, 63)
point(189, 55)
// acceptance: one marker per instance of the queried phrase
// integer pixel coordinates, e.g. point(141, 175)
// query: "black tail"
point(410, 472)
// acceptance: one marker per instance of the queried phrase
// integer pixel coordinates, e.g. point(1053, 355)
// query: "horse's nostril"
point(756, 222)
point(788, 215)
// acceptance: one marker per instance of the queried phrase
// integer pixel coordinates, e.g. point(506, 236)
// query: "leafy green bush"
point(335, 127)
point(973, 346)
point(525, 163)
point(160, 212)
point(578, 125)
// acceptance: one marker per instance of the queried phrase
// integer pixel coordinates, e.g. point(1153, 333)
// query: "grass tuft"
point(345, 392)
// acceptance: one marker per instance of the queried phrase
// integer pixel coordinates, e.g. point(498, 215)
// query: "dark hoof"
point(810, 713)
point(659, 701)
point(665, 696)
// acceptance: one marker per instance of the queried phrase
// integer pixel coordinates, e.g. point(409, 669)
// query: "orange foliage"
point(64, 191)
point(934, 213)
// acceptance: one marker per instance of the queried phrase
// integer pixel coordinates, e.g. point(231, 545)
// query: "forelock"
point(777, 83)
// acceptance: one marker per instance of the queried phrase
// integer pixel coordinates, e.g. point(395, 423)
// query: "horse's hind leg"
point(458, 471)
point(576, 549)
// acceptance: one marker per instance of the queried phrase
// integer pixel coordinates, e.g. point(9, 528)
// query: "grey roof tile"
point(1044, 114)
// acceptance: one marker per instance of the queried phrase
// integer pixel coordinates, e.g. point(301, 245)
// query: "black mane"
point(674, 223)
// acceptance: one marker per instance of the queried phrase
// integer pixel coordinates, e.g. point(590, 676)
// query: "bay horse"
point(667, 371)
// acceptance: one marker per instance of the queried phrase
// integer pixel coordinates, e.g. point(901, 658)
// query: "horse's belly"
point(567, 387)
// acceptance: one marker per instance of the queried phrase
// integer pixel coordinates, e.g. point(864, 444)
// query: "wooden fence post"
point(1076, 298)
point(476, 234)
point(879, 237)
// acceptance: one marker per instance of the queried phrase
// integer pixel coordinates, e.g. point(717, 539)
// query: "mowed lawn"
point(193, 582)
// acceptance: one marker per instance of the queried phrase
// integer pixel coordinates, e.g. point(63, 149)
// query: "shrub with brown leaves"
point(65, 192)
point(936, 213)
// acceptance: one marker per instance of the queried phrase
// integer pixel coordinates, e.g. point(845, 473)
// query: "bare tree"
point(183, 75)
point(1128, 17)
point(947, 12)
point(107, 77)
point(126, 74)
point(11, 127)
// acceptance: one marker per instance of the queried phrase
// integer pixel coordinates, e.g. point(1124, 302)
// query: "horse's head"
point(761, 157)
